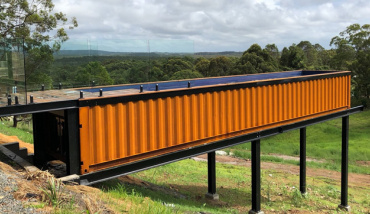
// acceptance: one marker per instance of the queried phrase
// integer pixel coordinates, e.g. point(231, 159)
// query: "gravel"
point(8, 204)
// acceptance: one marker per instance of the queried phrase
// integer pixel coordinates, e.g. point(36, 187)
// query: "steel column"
point(344, 176)
point(40, 155)
point(73, 134)
point(256, 177)
point(212, 176)
point(302, 163)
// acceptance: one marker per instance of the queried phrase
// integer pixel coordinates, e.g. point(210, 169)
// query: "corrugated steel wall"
point(124, 132)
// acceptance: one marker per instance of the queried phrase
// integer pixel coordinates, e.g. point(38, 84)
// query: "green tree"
point(36, 23)
point(344, 55)
point(292, 58)
point(220, 66)
point(361, 69)
point(202, 66)
point(33, 21)
point(353, 52)
point(256, 60)
point(177, 64)
point(323, 57)
point(273, 51)
point(310, 54)
point(93, 71)
point(156, 74)
point(186, 74)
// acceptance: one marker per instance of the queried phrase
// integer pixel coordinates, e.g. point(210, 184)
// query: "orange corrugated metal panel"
point(123, 132)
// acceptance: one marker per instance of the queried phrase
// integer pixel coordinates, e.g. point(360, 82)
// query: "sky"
point(209, 25)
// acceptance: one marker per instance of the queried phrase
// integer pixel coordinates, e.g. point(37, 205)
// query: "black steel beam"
point(256, 177)
point(302, 161)
point(37, 108)
point(344, 172)
point(137, 166)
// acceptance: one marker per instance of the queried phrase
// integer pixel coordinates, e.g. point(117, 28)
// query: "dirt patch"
point(363, 163)
point(10, 139)
point(287, 157)
point(354, 179)
point(29, 191)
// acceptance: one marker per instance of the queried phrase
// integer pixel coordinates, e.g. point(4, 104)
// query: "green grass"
point(189, 179)
point(23, 131)
point(323, 142)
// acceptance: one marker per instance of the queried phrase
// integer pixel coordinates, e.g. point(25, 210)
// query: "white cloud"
point(216, 25)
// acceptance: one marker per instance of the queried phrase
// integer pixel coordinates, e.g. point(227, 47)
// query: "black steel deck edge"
point(197, 90)
point(37, 107)
point(137, 166)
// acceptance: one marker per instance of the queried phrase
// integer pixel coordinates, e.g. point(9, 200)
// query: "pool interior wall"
point(210, 81)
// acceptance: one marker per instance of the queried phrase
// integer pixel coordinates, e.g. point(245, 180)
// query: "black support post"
point(256, 177)
point(302, 163)
point(40, 132)
point(73, 134)
point(344, 177)
point(212, 176)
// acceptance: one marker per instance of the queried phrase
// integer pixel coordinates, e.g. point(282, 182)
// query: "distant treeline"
point(350, 52)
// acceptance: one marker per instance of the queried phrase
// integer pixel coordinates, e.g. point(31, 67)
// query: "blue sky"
point(209, 25)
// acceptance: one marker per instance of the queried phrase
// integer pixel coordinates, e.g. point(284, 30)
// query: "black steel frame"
point(256, 176)
point(37, 108)
point(211, 159)
point(344, 171)
point(302, 160)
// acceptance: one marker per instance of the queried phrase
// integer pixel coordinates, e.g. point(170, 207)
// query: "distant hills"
point(75, 53)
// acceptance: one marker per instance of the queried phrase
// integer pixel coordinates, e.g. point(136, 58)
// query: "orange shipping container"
point(119, 130)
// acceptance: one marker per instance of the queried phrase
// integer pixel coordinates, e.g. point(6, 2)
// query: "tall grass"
point(23, 130)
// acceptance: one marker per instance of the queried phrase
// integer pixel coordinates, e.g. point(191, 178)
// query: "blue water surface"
point(206, 81)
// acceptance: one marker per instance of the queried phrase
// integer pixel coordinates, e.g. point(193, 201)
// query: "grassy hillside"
point(323, 142)
point(180, 188)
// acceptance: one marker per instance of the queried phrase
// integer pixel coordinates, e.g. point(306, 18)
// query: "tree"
point(202, 66)
point(292, 58)
point(353, 47)
point(323, 57)
point(35, 23)
point(93, 71)
point(256, 60)
point(310, 53)
point(177, 64)
point(273, 51)
point(219, 66)
point(186, 74)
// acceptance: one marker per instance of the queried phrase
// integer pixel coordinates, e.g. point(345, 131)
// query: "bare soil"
point(10, 139)
point(287, 157)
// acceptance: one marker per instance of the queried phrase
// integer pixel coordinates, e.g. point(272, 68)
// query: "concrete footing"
point(345, 208)
point(212, 196)
point(255, 212)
